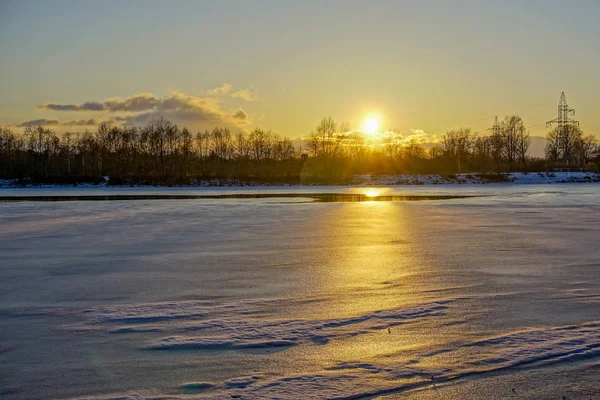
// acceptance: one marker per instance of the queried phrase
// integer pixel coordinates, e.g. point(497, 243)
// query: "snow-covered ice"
point(258, 299)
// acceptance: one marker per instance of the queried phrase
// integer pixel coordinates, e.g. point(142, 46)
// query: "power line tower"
point(495, 143)
point(565, 124)
point(495, 129)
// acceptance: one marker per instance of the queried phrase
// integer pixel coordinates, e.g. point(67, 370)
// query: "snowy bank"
point(358, 180)
point(514, 178)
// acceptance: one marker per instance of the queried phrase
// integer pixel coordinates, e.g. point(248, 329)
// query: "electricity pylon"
point(565, 124)
point(495, 129)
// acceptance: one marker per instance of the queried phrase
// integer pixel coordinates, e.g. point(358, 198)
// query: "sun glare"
point(371, 126)
point(371, 192)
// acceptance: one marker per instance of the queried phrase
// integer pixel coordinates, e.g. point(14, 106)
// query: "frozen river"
point(493, 296)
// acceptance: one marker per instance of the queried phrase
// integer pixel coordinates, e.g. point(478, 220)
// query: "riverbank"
point(358, 180)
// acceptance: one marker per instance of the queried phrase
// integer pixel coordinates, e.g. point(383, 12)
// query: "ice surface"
point(256, 300)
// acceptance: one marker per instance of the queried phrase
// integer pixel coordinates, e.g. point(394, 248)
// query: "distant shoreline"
point(357, 180)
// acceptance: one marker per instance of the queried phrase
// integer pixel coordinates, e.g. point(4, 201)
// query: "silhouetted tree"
point(457, 145)
point(160, 151)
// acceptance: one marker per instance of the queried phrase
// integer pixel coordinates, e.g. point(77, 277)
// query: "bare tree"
point(242, 147)
point(259, 142)
point(324, 140)
point(513, 134)
point(586, 148)
point(457, 145)
point(221, 143)
point(523, 143)
point(562, 143)
point(552, 149)
point(482, 149)
point(284, 149)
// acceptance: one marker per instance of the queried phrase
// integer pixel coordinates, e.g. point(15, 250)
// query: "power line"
point(533, 126)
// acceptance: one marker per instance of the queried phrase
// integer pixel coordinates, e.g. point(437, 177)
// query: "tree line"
point(162, 152)
point(504, 149)
point(158, 151)
point(567, 146)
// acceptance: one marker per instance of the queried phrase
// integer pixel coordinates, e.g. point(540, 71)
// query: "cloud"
point(56, 122)
point(139, 102)
point(87, 106)
point(41, 122)
point(355, 135)
point(82, 122)
point(178, 107)
point(226, 88)
point(146, 102)
point(240, 115)
point(223, 89)
point(245, 94)
point(141, 108)
point(116, 120)
point(420, 137)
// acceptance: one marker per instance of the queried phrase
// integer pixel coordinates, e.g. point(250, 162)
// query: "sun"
point(371, 126)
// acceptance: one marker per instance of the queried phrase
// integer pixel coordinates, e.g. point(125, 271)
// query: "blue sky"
point(427, 65)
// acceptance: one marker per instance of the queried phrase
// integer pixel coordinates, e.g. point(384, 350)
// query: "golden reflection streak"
point(367, 258)
point(370, 258)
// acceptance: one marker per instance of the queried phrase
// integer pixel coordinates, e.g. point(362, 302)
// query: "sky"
point(417, 66)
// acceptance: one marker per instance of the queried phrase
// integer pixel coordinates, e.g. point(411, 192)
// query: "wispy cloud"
point(56, 122)
point(227, 89)
point(413, 135)
point(421, 137)
point(241, 115)
point(245, 94)
point(87, 106)
point(223, 89)
point(416, 135)
point(139, 102)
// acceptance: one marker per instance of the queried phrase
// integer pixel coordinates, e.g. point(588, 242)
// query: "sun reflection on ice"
point(372, 192)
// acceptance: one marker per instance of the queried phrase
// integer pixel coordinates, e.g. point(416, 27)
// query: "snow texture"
point(353, 380)
point(236, 330)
